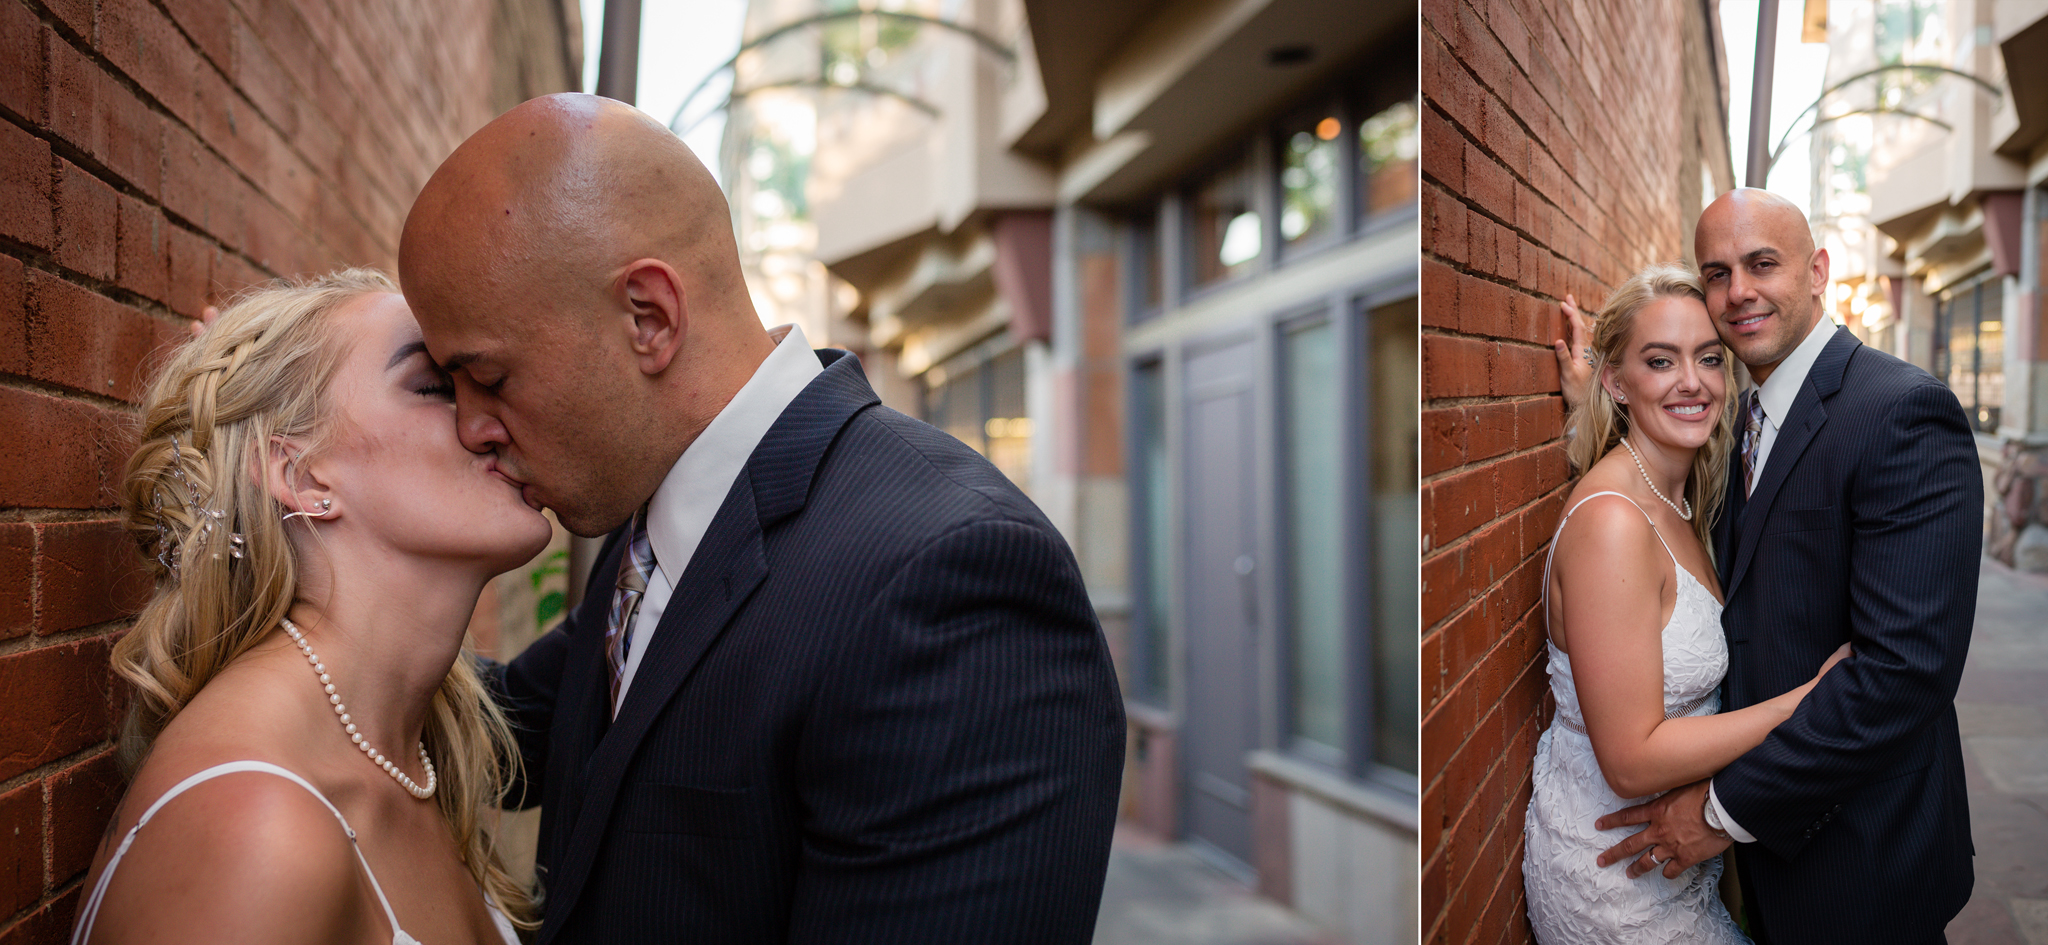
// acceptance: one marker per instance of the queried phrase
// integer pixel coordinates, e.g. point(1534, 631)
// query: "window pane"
point(1226, 236)
point(1395, 436)
point(1007, 428)
point(1990, 354)
point(1944, 309)
point(1308, 178)
point(1962, 347)
point(953, 404)
point(1144, 280)
point(1154, 523)
point(1313, 469)
point(1387, 171)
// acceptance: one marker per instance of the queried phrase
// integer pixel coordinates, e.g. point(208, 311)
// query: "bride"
point(1633, 606)
point(316, 755)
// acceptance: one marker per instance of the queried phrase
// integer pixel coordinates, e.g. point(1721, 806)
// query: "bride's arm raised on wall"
point(1614, 583)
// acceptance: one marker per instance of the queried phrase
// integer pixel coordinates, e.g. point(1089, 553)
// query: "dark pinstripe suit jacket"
point(1866, 528)
point(878, 709)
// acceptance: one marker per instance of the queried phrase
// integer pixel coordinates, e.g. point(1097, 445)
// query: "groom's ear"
point(656, 310)
point(1818, 272)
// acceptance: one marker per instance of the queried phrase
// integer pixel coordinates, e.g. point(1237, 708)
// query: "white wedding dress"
point(1572, 900)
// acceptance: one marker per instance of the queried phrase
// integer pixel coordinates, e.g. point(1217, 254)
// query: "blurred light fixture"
point(1329, 128)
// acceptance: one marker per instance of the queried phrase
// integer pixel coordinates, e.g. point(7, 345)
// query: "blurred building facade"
point(1942, 264)
point(1557, 157)
point(1156, 261)
point(155, 159)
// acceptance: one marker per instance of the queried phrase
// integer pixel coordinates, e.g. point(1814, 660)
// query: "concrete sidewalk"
point(2003, 706)
point(1163, 894)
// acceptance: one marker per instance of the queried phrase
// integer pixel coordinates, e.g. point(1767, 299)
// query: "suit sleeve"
point(1916, 507)
point(960, 767)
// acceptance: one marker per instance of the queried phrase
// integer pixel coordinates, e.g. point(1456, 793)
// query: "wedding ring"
point(1657, 862)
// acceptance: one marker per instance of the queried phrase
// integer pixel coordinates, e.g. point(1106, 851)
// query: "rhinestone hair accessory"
point(208, 517)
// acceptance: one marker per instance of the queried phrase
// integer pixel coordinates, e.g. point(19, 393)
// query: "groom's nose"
point(475, 424)
point(1741, 291)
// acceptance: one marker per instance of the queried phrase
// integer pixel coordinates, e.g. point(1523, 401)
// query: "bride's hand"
point(1841, 653)
point(206, 317)
point(1574, 354)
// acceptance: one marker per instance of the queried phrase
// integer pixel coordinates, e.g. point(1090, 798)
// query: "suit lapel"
point(729, 563)
point(1809, 414)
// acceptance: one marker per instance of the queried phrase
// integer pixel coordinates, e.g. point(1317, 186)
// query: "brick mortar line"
point(50, 895)
point(1451, 819)
point(44, 263)
point(1449, 815)
point(61, 148)
point(1527, 131)
point(1428, 330)
point(1468, 538)
point(347, 28)
point(1440, 626)
point(31, 642)
point(1499, 823)
point(305, 96)
point(11, 381)
point(1482, 400)
point(39, 516)
point(1477, 464)
point(149, 100)
point(1467, 203)
point(1484, 276)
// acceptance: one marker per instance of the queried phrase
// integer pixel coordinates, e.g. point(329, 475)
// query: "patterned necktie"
point(634, 570)
point(1752, 435)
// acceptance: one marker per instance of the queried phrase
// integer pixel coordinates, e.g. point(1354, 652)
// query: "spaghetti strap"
point(1552, 552)
point(89, 912)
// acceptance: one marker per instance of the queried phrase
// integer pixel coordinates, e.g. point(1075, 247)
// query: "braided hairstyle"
point(225, 565)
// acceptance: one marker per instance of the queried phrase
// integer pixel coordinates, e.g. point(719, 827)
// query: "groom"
point(1853, 514)
point(835, 679)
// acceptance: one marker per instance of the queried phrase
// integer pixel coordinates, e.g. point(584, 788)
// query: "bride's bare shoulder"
point(242, 856)
point(1603, 530)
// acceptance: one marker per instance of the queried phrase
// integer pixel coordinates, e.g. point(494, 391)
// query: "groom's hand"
point(1678, 837)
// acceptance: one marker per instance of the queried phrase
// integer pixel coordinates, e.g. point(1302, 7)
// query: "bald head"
point(1763, 276)
point(568, 186)
point(572, 267)
point(1751, 207)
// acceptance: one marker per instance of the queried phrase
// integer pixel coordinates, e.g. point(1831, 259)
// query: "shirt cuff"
point(1735, 831)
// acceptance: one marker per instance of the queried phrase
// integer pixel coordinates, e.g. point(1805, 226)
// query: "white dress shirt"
point(1777, 394)
point(696, 485)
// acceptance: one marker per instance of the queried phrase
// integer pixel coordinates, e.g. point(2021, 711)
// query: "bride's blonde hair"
point(1598, 424)
point(226, 570)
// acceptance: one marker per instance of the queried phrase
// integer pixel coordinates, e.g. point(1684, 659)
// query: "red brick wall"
point(1553, 159)
point(157, 155)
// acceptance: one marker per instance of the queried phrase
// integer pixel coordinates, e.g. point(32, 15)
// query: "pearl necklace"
point(1685, 513)
point(348, 724)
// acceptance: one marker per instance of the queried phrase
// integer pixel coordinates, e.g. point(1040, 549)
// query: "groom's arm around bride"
point(1863, 526)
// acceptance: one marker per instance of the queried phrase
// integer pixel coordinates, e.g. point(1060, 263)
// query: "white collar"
point(696, 486)
point(1782, 387)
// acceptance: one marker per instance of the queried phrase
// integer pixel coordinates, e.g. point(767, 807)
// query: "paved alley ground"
point(1163, 894)
point(2003, 706)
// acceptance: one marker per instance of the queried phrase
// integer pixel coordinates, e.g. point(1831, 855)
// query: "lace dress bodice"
point(1571, 898)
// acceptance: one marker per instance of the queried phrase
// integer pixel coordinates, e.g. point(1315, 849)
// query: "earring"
point(1621, 398)
point(326, 506)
